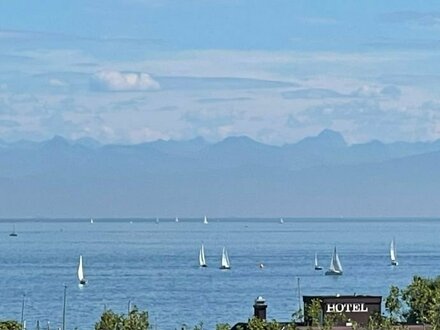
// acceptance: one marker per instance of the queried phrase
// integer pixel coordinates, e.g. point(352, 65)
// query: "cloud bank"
point(116, 81)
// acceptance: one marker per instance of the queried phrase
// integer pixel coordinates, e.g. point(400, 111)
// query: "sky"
point(131, 71)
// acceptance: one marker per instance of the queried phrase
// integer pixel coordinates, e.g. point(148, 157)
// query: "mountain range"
point(319, 176)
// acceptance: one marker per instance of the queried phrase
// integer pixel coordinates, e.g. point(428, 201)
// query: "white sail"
point(205, 220)
point(91, 220)
point(80, 270)
point(177, 219)
point(281, 221)
point(225, 260)
point(202, 261)
point(316, 260)
point(335, 264)
point(393, 253)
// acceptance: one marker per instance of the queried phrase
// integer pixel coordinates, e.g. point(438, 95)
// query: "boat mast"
point(64, 308)
point(22, 312)
point(299, 295)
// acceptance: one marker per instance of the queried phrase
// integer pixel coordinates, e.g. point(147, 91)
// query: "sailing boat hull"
point(332, 272)
point(83, 282)
point(225, 267)
point(394, 263)
point(318, 268)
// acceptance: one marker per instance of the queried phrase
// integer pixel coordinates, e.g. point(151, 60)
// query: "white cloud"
point(123, 81)
point(56, 82)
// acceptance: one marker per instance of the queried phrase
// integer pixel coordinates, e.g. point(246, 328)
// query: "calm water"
point(155, 266)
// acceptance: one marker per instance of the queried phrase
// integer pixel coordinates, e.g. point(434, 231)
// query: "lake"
point(155, 266)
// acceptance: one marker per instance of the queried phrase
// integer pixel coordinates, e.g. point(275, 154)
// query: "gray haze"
point(318, 176)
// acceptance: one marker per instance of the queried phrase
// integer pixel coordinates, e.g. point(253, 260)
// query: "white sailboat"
point(393, 253)
point(317, 266)
point(91, 220)
point(281, 221)
point(335, 265)
point(202, 261)
point(205, 220)
point(225, 260)
point(81, 278)
point(177, 219)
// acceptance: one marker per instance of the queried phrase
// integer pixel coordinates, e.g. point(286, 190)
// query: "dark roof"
point(345, 296)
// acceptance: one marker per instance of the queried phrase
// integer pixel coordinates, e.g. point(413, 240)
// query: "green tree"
point(10, 325)
point(109, 321)
point(199, 326)
point(393, 304)
point(135, 320)
point(256, 324)
point(314, 313)
point(273, 325)
point(222, 326)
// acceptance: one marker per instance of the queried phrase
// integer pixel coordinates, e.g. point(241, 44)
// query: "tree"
point(135, 320)
point(314, 312)
point(393, 304)
point(10, 325)
point(222, 326)
point(256, 324)
point(109, 321)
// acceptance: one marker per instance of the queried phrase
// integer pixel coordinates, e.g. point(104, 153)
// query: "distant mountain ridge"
point(317, 176)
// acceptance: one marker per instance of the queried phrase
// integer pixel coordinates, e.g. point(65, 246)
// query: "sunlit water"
point(154, 266)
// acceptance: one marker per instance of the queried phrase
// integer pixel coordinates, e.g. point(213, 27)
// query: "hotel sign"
point(356, 308)
point(346, 308)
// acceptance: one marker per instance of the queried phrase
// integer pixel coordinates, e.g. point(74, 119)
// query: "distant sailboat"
point(317, 266)
point(81, 278)
point(225, 260)
point(202, 261)
point(14, 233)
point(177, 219)
point(393, 253)
point(281, 221)
point(205, 220)
point(157, 220)
point(91, 220)
point(335, 265)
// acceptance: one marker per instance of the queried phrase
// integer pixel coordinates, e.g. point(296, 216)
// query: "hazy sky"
point(139, 70)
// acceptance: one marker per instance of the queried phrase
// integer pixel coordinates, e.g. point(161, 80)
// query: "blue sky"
point(129, 71)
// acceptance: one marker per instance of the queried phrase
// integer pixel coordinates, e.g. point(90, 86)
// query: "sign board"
point(351, 308)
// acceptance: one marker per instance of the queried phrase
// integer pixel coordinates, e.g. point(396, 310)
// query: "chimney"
point(260, 308)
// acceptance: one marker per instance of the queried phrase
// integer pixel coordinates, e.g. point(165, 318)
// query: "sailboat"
point(393, 253)
point(281, 221)
point(14, 233)
point(225, 260)
point(317, 266)
point(177, 219)
point(81, 278)
point(335, 265)
point(91, 220)
point(202, 261)
point(205, 220)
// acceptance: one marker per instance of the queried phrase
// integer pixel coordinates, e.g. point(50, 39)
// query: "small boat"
point(261, 265)
point(14, 233)
point(205, 220)
point(225, 264)
point(91, 220)
point(202, 261)
point(317, 266)
point(281, 221)
point(157, 220)
point(393, 253)
point(81, 278)
point(177, 219)
point(335, 265)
